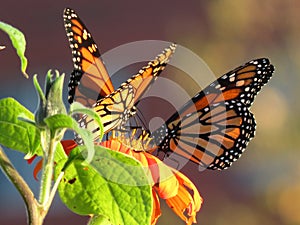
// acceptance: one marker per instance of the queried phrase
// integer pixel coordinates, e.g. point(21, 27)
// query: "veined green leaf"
point(18, 40)
point(15, 133)
point(109, 186)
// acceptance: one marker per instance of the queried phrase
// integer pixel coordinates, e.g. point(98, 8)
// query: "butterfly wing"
point(89, 69)
point(117, 108)
point(113, 109)
point(149, 73)
point(215, 126)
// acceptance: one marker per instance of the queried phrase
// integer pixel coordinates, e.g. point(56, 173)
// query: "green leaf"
point(60, 153)
point(16, 133)
point(113, 185)
point(18, 40)
point(40, 112)
point(62, 121)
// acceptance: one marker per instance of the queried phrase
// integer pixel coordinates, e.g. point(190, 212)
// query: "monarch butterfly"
point(215, 126)
point(90, 83)
point(87, 63)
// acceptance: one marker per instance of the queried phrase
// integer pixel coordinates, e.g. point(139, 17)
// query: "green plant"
point(85, 179)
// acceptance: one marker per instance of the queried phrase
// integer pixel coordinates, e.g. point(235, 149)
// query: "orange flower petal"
point(38, 167)
point(164, 180)
point(188, 183)
point(184, 204)
point(29, 161)
point(156, 212)
point(168, 185)
point(68, 145)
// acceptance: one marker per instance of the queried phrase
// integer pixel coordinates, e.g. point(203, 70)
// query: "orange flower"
point(167, 183)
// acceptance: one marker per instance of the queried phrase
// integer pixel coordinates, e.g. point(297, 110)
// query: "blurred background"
point(263, 187)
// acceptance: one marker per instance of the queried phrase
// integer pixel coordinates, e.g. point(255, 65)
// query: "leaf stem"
point(31, 204)
point(54, 189)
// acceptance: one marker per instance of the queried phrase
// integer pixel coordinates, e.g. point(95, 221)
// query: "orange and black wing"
point(147, 75)
point(215, 126)
point(113, 110)
point(89, 80)
point(117, 108)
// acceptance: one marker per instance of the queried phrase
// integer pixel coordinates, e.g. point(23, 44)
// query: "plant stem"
point(32, 205)
point(47, 173)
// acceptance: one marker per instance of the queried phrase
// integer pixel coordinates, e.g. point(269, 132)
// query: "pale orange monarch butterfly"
point(215, 126)
point(90, 83)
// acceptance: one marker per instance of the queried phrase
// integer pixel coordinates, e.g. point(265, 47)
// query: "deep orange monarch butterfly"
point(90, 83)
point(87, 64)
point(215, 126)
